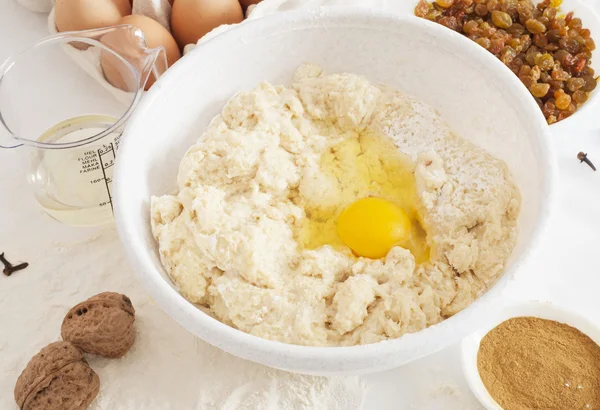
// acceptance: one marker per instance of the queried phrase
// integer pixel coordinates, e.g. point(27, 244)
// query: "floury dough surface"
point(228, 238)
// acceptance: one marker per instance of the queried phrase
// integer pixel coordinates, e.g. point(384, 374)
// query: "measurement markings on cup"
point(107, 155)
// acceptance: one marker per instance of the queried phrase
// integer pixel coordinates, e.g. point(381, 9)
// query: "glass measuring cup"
point(58, 109)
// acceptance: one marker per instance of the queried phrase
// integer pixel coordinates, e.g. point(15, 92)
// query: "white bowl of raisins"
point(548, 44)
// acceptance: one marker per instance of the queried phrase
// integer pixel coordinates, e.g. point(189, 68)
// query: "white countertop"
point(565, 271)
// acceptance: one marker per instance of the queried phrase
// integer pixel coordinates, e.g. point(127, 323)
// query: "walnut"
point(101, 325)
point(57, 378)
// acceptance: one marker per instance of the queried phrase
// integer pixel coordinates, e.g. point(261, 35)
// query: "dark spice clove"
point(9, 269)
point(582, 157)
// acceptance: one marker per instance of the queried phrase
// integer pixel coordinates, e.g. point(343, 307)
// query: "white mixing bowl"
point(480, 98)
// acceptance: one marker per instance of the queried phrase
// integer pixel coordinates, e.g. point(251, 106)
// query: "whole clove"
point(582, 157)
point(9, 268)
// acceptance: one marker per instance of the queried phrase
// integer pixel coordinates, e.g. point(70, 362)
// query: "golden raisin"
point(549, 108)
point(560, 55)
point(553, 36)
point(501, 19)
point(515, 43)
point(545, 21)
point(532, 55)
point(484, 42)
point(544, 61)
point(481, 10)
point(444, 3)
point(569, 17)
point(560, 75)
point(540, 40)
point(450, 21)
point(556, 84)
point(508, 55)
point(421, 8)
point(574, 84)
point(539, 90)
point(496, 46)
point(470, 27)
point(516, 29)
point(579, 97)
point(562, 115)
point(590, 83)
point(525, 70)
point(535, 26)
point(493, 5)
point(525, 41)
point(433, 14)
point(545, 77)
point(509, 6)
point(590, 44)
point(528, 81)
point(585, 33)
point(563, 101)
point(587, 71)
point(525, 11)
point(569, 44)
point(549, 13)
point(575, 23)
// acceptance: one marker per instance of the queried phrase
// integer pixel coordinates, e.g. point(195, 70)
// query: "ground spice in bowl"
point(531, 363)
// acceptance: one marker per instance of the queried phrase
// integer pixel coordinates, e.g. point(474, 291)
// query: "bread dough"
point(227, 239)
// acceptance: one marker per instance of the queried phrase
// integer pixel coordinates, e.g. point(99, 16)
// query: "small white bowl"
point(543, 310)
point(479, 97)
point(589, 13)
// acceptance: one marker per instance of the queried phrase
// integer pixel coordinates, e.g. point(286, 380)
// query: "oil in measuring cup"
point(73, 185)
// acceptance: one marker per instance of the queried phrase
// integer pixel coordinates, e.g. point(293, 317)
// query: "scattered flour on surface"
point(167, 368)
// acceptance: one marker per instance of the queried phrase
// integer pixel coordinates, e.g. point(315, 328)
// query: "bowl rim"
point(228, 338)
point(533, 308)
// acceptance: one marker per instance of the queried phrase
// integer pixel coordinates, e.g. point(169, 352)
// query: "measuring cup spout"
point(128, 43)
point(156, 65)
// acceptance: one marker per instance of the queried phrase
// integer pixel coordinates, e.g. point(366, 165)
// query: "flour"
point(167, 367)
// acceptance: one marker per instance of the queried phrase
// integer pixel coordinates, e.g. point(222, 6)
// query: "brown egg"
point(156, 36)
point(192, 19)
point(246, 3)
point(71, 15)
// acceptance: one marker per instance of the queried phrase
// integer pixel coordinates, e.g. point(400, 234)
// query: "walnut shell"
point(123, 300)
point(57, 378)
point(102, 325)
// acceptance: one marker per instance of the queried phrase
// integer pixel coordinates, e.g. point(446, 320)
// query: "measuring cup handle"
point(9, 146)
point(7, 139)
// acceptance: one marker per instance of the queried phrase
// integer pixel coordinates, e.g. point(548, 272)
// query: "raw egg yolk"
point(373, 226)
point(366, 199)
